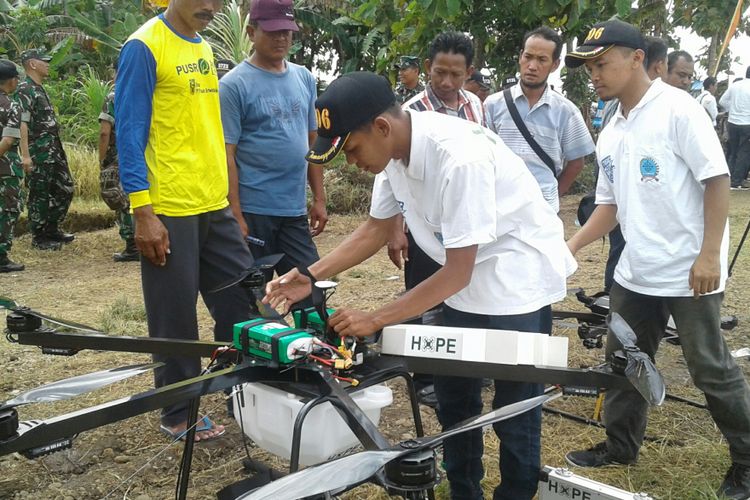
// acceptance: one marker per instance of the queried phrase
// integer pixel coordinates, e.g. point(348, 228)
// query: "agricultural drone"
point(307, 360)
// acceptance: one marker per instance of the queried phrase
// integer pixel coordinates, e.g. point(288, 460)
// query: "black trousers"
point(206, 251)
point(739, 152)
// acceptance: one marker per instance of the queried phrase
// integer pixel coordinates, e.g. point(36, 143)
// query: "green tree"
point(709, 19)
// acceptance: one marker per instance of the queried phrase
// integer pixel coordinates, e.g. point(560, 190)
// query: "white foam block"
point(508, 347)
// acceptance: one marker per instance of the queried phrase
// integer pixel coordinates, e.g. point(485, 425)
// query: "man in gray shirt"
point(554, 122)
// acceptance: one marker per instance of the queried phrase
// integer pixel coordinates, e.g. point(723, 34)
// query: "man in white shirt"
point(707, 98)
point(473, 207)
point(449, 64)
point(554, 123)
point(736, 100)
point(680, 70)
point(664, 179)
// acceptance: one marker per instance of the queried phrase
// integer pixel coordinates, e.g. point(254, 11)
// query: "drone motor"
point(8, 423)
point(20, 321)
point(416, 471)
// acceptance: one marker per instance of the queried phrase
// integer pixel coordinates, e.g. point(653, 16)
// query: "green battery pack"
point(310, 318)
point(269, 339)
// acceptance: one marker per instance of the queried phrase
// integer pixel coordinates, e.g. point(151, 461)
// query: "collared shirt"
point(464, 187)
point(554, 122)
point(10, 126)
point(403, 93)
point(652, 167)
point(37, 113)
point(708, 101)
point(469, 106)
point(736, 100)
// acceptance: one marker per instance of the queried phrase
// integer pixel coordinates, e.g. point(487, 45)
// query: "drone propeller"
point(61, 322)
point(640, 369)
point(7, 303)
point(262, 264)
point(75, 386)
point(344, 473)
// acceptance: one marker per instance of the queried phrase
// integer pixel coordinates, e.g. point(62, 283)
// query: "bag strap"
point(521, 126)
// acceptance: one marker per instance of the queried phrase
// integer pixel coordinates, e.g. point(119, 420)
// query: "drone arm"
point(70, 424)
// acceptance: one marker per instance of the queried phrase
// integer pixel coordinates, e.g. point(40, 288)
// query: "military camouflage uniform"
point(50, 182)
point(109, 179)
point(11, 174)
point(403, 94)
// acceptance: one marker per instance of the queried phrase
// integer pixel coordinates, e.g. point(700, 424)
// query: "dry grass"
point(81, 283)
point(84, 165)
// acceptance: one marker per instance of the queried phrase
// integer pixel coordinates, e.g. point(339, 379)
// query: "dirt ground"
point(132, 460)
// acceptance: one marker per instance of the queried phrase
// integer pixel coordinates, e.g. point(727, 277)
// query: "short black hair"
point(656, 50)
point(675, 56)
point(394, 110)
point(548, 34)
point(453, 42)
point(708, 82)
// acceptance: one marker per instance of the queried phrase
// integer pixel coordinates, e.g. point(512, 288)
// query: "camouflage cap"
point(40, 54)
point(407, 62)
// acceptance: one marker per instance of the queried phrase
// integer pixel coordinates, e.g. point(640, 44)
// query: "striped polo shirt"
point(554, 122)
point(469, 106)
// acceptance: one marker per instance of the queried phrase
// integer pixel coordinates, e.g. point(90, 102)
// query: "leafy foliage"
point(228, 33)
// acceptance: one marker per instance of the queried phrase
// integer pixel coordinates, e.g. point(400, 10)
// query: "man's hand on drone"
point(354, 323)
point(287, 290)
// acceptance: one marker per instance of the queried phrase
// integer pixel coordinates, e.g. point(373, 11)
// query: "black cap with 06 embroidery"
point(349, 102)
point(602, 37)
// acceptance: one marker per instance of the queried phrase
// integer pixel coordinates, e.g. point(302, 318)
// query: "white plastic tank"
point(268, 416)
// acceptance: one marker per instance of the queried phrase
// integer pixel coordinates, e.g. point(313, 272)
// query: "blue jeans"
point(460, 398)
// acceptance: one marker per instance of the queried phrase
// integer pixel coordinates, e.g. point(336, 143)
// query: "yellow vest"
point(185, 155)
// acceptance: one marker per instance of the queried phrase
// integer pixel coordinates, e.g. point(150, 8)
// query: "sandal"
point(204, 424)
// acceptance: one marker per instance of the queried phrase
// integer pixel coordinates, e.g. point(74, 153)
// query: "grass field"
point(131, 460)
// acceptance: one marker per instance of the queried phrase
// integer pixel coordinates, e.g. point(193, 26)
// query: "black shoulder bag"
point(526, 134)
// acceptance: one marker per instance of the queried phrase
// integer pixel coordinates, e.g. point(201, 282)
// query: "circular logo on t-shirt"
point(203, 66)
point(649, 169)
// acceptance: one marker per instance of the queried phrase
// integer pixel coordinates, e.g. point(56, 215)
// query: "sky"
point(693, 44)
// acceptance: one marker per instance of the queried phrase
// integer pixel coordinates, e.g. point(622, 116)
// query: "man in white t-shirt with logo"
point(664, 178)
point(472, 206)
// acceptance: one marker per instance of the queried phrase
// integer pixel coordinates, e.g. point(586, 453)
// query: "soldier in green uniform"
point(408, 77)
point(50, 183)
point(109, 181)
point(11, 172)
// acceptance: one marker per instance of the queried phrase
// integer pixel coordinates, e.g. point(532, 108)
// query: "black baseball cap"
point(510, 80)
point(602, 37)
point(407, 62)
point(224, 65)
point(35, 54)
point(349, 102)
point(8, 69)
point(482, 80)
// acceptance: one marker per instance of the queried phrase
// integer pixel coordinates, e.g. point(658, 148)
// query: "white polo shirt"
point(652, 166)
point(736, 100)
point(464, 187)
